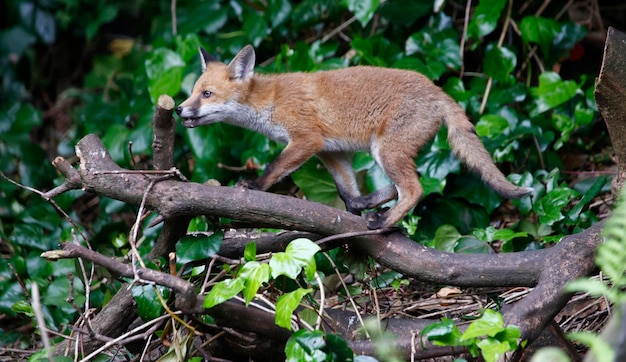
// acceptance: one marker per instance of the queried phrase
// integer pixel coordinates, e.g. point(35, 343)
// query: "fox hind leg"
point(400, 167)
point(375, 199)
point(339, 164)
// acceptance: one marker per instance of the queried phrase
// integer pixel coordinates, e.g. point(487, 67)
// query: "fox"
point(392, 113)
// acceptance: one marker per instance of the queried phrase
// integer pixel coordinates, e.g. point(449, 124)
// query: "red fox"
point(331, 114)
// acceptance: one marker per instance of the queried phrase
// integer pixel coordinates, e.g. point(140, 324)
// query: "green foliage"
point(318, 346)
point(74, 59)
point(485, 19)
point(197, 247)
point(487, 336)
point(298, 257)
point(548, 34)
point(448, 239)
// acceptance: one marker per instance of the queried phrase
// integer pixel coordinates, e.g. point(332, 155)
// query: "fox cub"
point(390, 112)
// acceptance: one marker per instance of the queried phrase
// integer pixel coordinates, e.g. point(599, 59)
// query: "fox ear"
point(242, 66)
point(206, 58)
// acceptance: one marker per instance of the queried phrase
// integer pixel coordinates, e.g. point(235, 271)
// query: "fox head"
point(215, 95)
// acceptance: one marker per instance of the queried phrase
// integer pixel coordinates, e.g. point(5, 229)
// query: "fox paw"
point(375, 220)
point(248, 184)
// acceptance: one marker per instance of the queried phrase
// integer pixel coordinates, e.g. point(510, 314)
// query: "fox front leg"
point(293, 156)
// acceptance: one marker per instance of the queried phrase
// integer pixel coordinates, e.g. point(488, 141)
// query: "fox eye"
point(207, 94)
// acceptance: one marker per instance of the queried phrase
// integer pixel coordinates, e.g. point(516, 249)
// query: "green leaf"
point(249, 253)
point(386, 279)
point(298, 254)
point(491, 349)
point(499, 62)
point(551, 92)
point(283, 264)
point(223, 291)
point(550, 207)
point(337, 348)
point(588, 196)
point(254, 274)
point(552, 37)
point(286, 304)
point(255, 27)
point(431, 185)
point(469, 245)
point(279, 11)
point(148, 304)
point(198, 247)
point(31, 236)
point(511, 334)
point(164, 69)
point(583, 115)
point(470, 187)
point(16, 40)
point(489, 324)
point(317, 184)
point(363, 9)
point(305, 345)
point(492, 234)
point(405, 12)
point(438, 161)
point(485, 18)
point(302, 249)
point(446, 238)
point(437, 43)
point(444, 333)
point(491, 125)
point(539, 31)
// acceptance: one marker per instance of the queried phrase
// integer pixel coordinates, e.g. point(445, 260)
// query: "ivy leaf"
point(148, 304)
point(485, 18)
point(298, 254)
point(499, 62)
point(599, 345)
point(444, 333)
point(470, 245)
point(254, 274)
point(278, 11)
point(491, 125)
point(492, 234)
point(286, 304)
point(302, 249)
point(249, 253)
point(405, 12)
point(490, 324)
point(164, 68)
point(438, 161)
point(539, 31)
point(363, 9)
point(197, 247)
point(588, 196)
point(223, 291)
point(551, 92)
point(306, 345)
point(255, 26)
point(317, 184)
point(491, 349)
point(436, 43)
point(446, 238)
point(283, 264)
point(550, 207)
point(338, 348)
point(552, 37)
